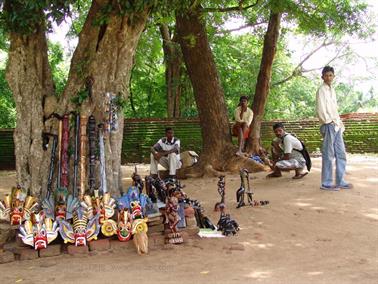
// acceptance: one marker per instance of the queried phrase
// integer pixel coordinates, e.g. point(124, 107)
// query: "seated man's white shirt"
point(246, 117)
point(171, 161)
point(164, 145)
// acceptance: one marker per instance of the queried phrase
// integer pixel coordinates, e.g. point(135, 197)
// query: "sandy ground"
point(304, 235)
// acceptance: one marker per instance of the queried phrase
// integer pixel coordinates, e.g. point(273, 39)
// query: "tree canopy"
point(237, 54)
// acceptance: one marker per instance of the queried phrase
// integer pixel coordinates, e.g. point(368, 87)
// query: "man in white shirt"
point(243, 119)
point(292, 158)
point(331, 129)
point(166, 152)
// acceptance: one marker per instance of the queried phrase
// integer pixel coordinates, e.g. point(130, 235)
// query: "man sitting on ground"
point(166, 152)
point(243, 119)
point(286, 153)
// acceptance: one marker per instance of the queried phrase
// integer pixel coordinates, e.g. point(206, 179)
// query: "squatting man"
point(286, 153)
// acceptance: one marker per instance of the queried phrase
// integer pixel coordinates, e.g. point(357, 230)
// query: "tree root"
point(201, 170)
point(233, 165)
point(237, 163)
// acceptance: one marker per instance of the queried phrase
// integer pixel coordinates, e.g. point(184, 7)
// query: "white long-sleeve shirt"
point(326, 107)
point(246, 117)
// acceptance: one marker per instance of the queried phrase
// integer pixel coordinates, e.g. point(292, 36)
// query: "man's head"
point(243, 101)
point(279, 129)
point(328, 74)
point(169, 133)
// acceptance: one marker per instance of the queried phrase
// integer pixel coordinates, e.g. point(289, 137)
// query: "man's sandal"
point(300, 176)
point(273, 175)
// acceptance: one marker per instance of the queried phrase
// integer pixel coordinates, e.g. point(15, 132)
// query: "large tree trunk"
point(29, 77)
point(101, 62)
point(263, 80)
point(173, 71)
point(217, 149)
point(104, 56)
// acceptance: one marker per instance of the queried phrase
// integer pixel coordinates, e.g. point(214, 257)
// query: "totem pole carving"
point(83, 155)
point(103, 185)
point(64, 152)
point(76, 155)
point(112, 111)
point(92, 153)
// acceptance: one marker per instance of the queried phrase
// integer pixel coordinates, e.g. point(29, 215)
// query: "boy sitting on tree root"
point(243, 119)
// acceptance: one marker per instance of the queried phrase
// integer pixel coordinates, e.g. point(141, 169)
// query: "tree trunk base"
point(233, 165)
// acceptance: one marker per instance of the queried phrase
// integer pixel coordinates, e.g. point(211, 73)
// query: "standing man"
point(166, 152)
point(331, 129)
point(288, 156)
point(243, 119)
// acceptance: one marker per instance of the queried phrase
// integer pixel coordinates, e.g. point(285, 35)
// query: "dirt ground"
point(304, 235)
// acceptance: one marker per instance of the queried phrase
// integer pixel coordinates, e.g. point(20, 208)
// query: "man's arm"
point(158, 152)
point(237, 115)
point(288, 147)
point(321, 106)
point(249, 118)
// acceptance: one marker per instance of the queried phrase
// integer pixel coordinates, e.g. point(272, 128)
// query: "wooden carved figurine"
point(172, 218)
point(220, 206)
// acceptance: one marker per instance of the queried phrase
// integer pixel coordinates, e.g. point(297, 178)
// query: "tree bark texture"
point(104, 56)
point(263, 80)
point(102, 62)
point(173, 71)
point(218, 151)
point(29, 77)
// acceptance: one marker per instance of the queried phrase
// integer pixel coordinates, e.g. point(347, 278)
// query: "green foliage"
point(7, 105)
point(237, 59)
point(80, 97)
point(148, 79)
point(4, 44)
point(25, 16)
point(120, 102)
point(321, 17)
point(237, 56)
point(79, 12)
point(58, 70)
point(350, 100)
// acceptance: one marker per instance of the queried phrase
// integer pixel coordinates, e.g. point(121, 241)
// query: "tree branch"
point(230, 9)
point(298, 70)
point(241, 27)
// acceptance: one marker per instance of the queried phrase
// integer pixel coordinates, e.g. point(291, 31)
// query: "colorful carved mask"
point(82, 230)
point(136, 210)
point(139, 224)
point(103, 206)
point(17, 207)
point(60, 207)
point(139, 228)
point(124, 225)
point(39, 231)
point(132, 195)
